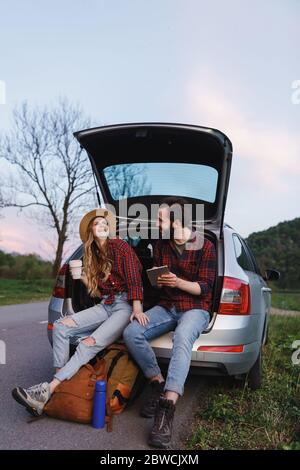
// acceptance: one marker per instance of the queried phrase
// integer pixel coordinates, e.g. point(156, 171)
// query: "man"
point(185, 306)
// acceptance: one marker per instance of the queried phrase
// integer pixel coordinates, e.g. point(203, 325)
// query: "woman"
point(112, 271)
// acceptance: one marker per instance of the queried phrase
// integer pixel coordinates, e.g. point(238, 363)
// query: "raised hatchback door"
point(148, 161)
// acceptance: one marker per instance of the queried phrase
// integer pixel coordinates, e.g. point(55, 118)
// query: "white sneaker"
point(33, 398)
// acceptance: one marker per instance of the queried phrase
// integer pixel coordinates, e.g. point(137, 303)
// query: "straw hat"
point(108, 215)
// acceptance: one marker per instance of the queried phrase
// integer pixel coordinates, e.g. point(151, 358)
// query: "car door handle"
point(266, 289)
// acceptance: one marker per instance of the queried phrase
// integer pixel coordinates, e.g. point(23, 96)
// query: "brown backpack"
point(72, 399)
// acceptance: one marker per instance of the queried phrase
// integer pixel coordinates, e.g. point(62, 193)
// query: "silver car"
point(142, 163)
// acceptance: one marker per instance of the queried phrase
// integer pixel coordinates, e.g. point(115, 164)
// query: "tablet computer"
point(155, 272)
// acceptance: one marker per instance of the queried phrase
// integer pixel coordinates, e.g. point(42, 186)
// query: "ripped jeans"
point(105, 323)
point(187, 327)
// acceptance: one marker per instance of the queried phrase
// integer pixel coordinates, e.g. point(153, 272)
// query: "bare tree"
point(127, 180)
point(53, 177)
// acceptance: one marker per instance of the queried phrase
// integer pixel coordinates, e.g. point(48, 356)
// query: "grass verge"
point(286, 300)
point(238, 418)
point(15, 291)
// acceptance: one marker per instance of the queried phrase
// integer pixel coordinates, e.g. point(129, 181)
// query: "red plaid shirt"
point(125, 273)
point(194, 265)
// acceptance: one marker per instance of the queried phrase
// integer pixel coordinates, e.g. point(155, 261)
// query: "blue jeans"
point(105, 323)
point(187, 325)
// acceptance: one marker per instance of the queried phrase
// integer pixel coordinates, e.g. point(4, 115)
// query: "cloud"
point(12, 245)
point(23, 239)
point(18, 235)
point(270, 154)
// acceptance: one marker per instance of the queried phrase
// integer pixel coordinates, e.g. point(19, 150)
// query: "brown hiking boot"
point(149, 407)
point(160, 435)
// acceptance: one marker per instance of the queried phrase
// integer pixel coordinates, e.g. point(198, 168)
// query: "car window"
point(252, 257)
point(146, 179)
point(241, 254)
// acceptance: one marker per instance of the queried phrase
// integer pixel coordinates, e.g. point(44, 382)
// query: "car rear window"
point(172, 179)
point(243, 258)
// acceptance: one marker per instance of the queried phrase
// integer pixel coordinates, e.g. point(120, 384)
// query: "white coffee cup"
point(76, 268)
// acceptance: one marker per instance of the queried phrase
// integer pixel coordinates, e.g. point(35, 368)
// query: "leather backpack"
point(72, 399)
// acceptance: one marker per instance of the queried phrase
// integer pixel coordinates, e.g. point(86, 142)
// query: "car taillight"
point(59, 288)
point(226, 349)
point(235, 297)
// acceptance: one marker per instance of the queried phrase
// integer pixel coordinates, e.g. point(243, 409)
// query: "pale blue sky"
point(228, 65)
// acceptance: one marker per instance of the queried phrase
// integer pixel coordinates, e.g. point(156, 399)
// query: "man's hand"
point(171, 280)
point(141, 317)
point(168, 280)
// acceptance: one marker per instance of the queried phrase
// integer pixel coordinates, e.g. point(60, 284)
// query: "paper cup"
point(76, 268)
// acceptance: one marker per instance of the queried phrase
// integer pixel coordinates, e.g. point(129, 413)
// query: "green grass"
point(230, 417)
point(286, 300)
point(13, 291)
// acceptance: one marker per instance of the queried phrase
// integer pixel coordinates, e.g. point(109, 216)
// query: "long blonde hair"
point(96, 262)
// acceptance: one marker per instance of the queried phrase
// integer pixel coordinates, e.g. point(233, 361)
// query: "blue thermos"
point(99, 405)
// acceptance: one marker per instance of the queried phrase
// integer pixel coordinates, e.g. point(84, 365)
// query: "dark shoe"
point(149, 407)
point(160, 435)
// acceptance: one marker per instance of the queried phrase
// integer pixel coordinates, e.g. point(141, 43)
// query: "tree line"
point(279, 247)
point(25, 267)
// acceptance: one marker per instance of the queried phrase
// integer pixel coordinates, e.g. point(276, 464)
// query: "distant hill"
point(279, 247)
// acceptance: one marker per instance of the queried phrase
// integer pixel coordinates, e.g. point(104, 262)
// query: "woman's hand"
point(168, 280)
point(141, 317)
point(84, 278)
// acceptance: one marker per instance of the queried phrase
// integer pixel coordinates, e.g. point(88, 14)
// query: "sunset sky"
point(229, 65)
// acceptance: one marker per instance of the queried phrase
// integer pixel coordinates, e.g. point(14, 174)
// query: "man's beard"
point(170, 232)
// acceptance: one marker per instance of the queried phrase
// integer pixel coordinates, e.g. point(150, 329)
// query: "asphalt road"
point(29, 361)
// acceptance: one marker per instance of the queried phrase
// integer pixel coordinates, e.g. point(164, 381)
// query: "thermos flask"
point(99, 405)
